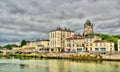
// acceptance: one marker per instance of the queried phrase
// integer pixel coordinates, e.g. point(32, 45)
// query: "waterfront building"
point(103, 46)
point(34, 46)
point(75, 43)
point(44, 46)
point(118, 44)
point(89, 42)
point(17, 49)
point(57, 38)
point(79, 43)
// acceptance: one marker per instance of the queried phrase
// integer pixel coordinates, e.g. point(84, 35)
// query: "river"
point(53, 65)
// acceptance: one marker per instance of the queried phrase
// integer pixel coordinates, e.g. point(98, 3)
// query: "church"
point(88, 28)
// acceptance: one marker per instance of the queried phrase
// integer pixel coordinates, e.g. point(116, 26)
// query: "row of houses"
point(34, 46)
point(65, 40)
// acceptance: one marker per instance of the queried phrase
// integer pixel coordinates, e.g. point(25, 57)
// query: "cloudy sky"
point(33, 19)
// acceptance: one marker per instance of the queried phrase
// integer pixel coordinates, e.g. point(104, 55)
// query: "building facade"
point(34, 46)
point(118, 44)
point(44, 46)
point(89, 42)
point(103, 46)
point(74, 44)
point(57, 38)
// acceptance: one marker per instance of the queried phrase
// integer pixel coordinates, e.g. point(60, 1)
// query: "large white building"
point(103, 46)
point(75, 43)
point(57, 38)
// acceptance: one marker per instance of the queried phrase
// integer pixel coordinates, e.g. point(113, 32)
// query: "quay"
point(73, 56)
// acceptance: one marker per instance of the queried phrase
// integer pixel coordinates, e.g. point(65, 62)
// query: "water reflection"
point(18, 65)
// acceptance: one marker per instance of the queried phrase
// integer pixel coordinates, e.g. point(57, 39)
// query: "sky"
point(33, 19)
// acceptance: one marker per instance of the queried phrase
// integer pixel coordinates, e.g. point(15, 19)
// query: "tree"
point(23, 42)
point(1, 47)
point(10, 46)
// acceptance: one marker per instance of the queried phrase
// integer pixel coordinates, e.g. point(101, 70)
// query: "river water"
point(52, 65)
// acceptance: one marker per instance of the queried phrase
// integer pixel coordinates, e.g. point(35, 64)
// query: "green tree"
point(10, 46)
point(23, 42)
point(1, 47)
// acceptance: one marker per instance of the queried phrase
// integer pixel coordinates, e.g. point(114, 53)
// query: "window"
point(96, 49)
point(69, 45)
point(79, 49)
point(82, 44)
point(55, 34)
point(90, 49)
point(90, 44)
point(87, 39)
point(102, 49)
point(110, 49)
point(90, 40)
point(87, 44)
point(104, 44)
point(68, 40)
point(111, 44)
point(96, 44)
point(73, 45)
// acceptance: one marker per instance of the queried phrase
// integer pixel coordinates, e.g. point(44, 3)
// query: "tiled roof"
point(45, 40)
point(89, 36)
point(102, 41)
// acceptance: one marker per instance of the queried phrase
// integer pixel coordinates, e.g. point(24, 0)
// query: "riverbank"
point(73, 56)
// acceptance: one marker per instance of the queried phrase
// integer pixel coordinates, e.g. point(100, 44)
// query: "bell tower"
point(88, 28)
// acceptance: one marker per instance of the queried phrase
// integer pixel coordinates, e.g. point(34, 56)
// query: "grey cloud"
point(32, 19)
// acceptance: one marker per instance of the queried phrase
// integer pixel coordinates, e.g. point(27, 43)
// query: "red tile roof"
point(102, 41)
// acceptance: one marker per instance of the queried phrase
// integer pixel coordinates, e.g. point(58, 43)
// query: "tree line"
point(10, 46)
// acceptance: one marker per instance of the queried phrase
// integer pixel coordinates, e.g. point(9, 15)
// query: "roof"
point(101, 41)
point(45, 40)
point(38, 40)
point(62, 29)
point(89, 36)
